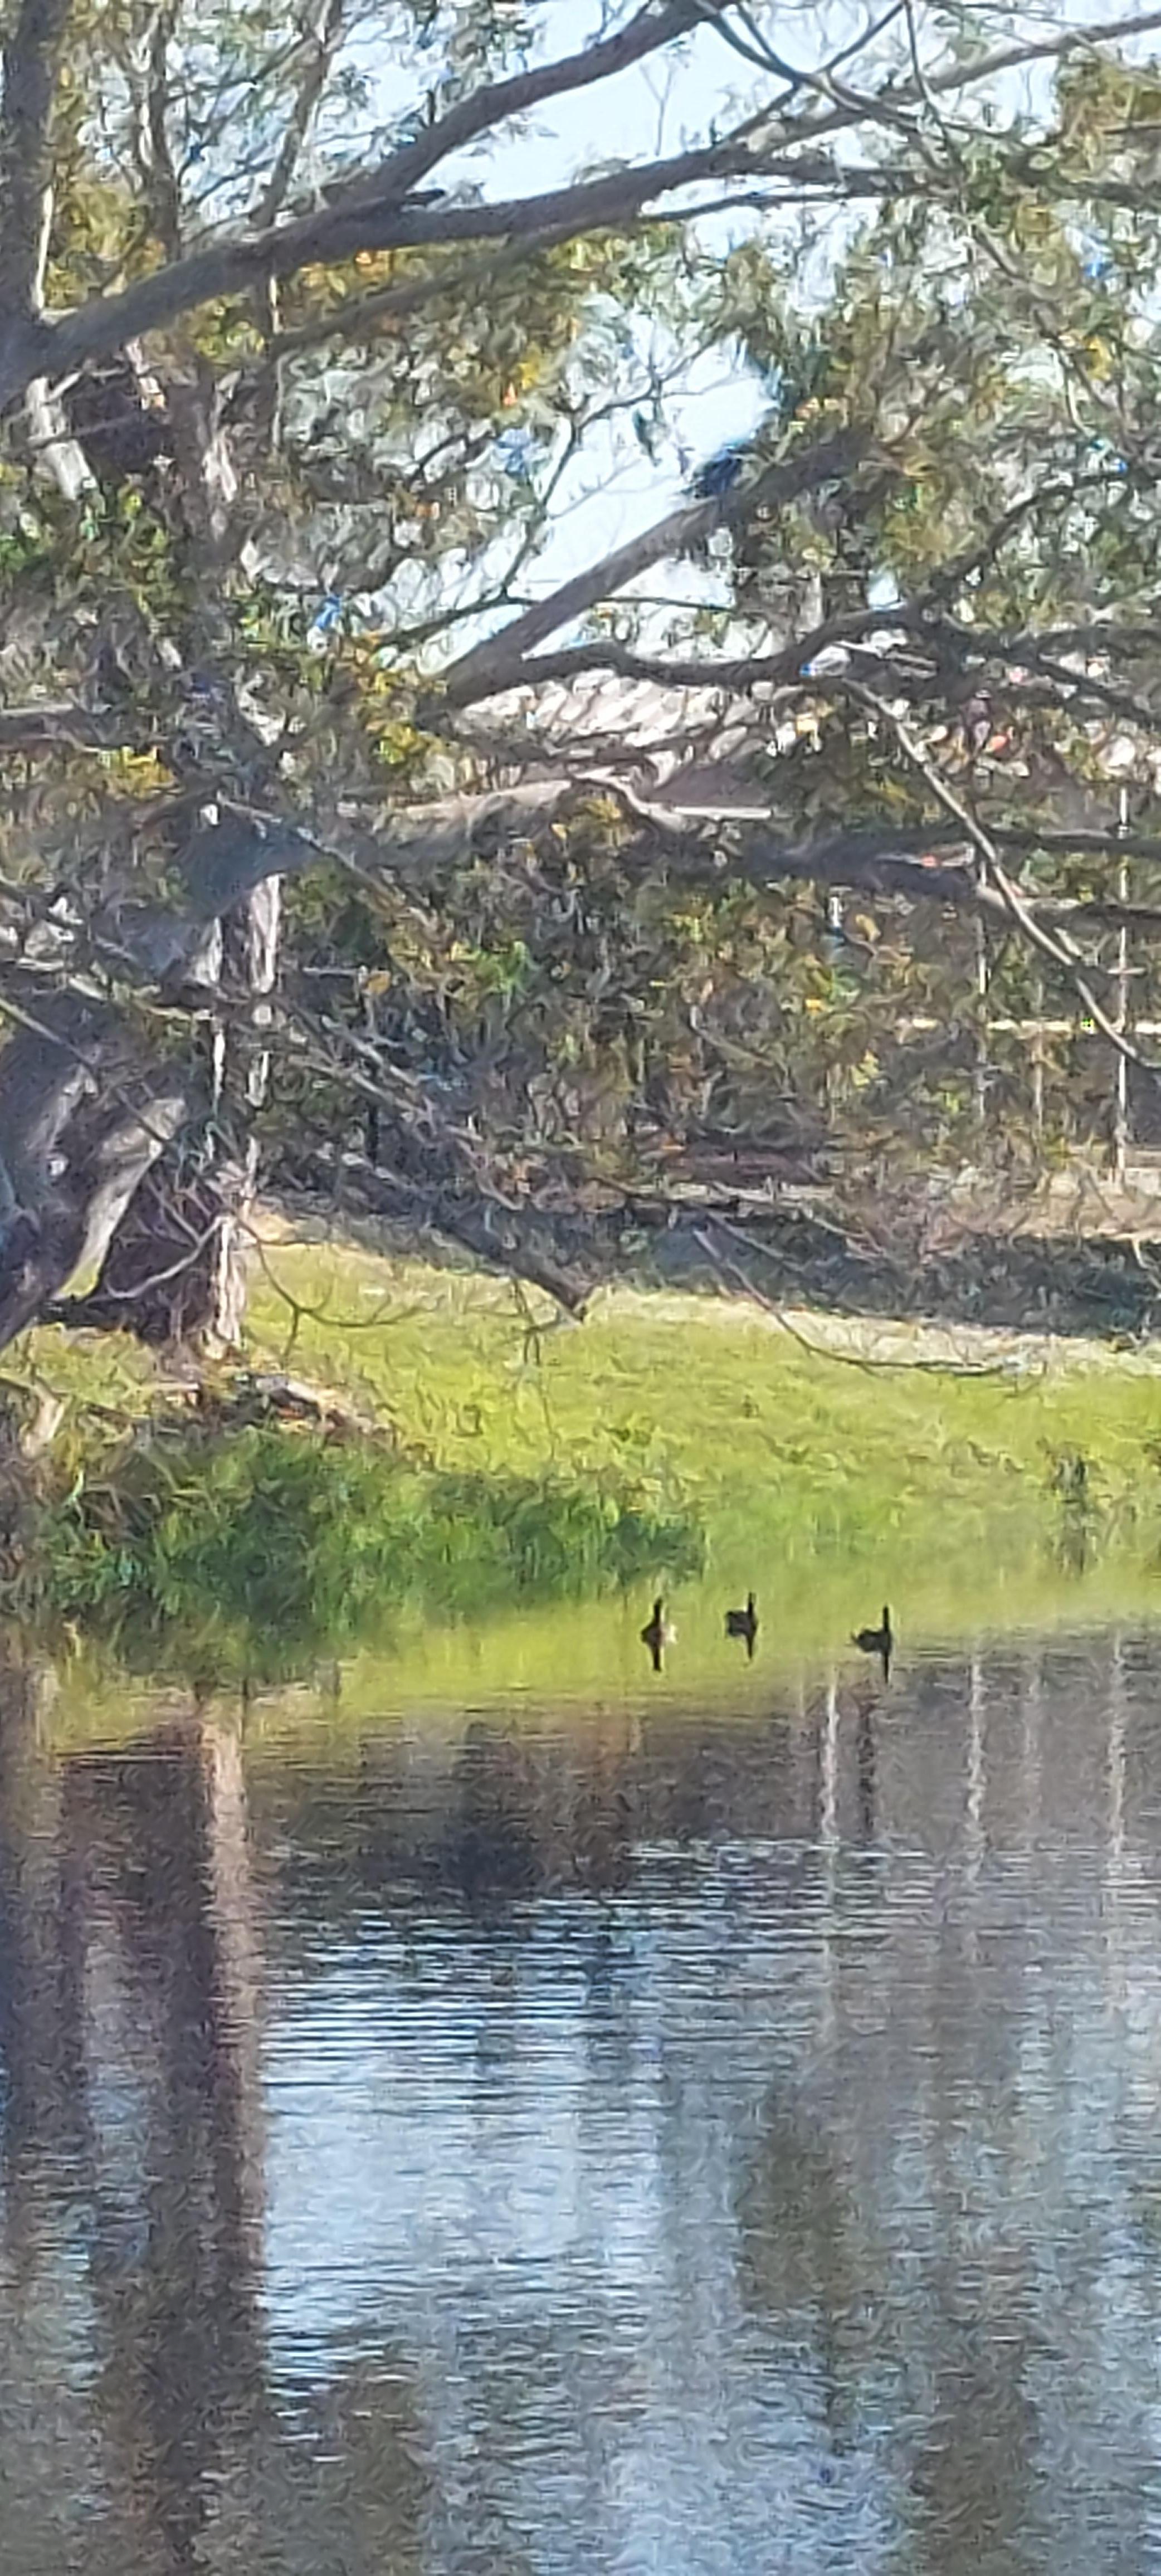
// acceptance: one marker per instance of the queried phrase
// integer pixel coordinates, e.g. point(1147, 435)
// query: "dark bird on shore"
point(657, 1633)
point(744, 1623)
point(877, 1641)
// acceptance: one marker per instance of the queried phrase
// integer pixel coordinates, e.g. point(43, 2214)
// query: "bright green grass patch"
point(712, 1405)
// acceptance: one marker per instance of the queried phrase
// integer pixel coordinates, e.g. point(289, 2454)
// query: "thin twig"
point(1059, 949)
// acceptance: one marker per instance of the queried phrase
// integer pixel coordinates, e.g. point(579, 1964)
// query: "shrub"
point(293, 1541)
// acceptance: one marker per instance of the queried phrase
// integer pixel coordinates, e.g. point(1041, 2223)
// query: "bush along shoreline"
point(283, 1538)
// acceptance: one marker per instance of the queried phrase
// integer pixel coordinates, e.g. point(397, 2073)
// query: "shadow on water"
point(130, 2033)
point(609, 2135)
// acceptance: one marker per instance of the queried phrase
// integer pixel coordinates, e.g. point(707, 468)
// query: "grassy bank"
point(532, 1457)
point(711, 1403)
point(260, 1546)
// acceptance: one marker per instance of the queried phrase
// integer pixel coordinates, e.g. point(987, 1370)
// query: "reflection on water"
point(625, 2141)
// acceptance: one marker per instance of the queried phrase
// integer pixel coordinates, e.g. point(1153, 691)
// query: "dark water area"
point(628, 2138)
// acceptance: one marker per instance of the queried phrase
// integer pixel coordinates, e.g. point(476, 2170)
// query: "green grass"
point(536, 1458)
point(710, 1404)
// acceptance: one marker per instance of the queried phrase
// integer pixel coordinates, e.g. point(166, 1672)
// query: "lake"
point(706, 2123)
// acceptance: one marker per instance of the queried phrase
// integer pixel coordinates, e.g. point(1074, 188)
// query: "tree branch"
point(916, 860)
point(359, 313)
point(498, 101)
point(320, 45)
point(972, 72)
point(47, 728)
point(377, 220)
point(499, 663)
point(507, 1239)
point(161, 181)
point(371, 212)
point(367, 215)
point(734, 674)
point(918, 616)
point(1056, 946)
point(526, 226)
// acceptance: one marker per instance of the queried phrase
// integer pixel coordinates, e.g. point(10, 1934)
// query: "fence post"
point(981, 1080)
point(1121, 1109)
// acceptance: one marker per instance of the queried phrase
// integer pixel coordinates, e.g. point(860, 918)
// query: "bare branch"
point(372, 214)
point(319, 47)
point(1054, 945)
point(733, 674)
point(499, 663)
point(790, 669)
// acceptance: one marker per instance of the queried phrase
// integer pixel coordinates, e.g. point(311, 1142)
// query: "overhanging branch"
point(500, 663)
point(371, 214)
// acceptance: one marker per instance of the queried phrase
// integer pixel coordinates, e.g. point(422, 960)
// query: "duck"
point(658, 1632)
point(876, 1641)
point(744, 1623)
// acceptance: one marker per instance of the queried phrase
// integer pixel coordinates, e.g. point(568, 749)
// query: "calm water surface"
point(620, 2139)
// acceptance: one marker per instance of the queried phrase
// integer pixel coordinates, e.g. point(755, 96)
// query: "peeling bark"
point(87, 1116)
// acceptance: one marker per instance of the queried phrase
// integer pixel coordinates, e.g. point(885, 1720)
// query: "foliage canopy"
point(347, 846)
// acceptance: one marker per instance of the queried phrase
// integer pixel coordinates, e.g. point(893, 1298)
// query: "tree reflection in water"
point(617, 2141)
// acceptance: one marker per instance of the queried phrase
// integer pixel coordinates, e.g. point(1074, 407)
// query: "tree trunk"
point(176, 1267)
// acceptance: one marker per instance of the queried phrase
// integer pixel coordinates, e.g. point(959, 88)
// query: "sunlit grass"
point(712, 1403)
point(828, 1485)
